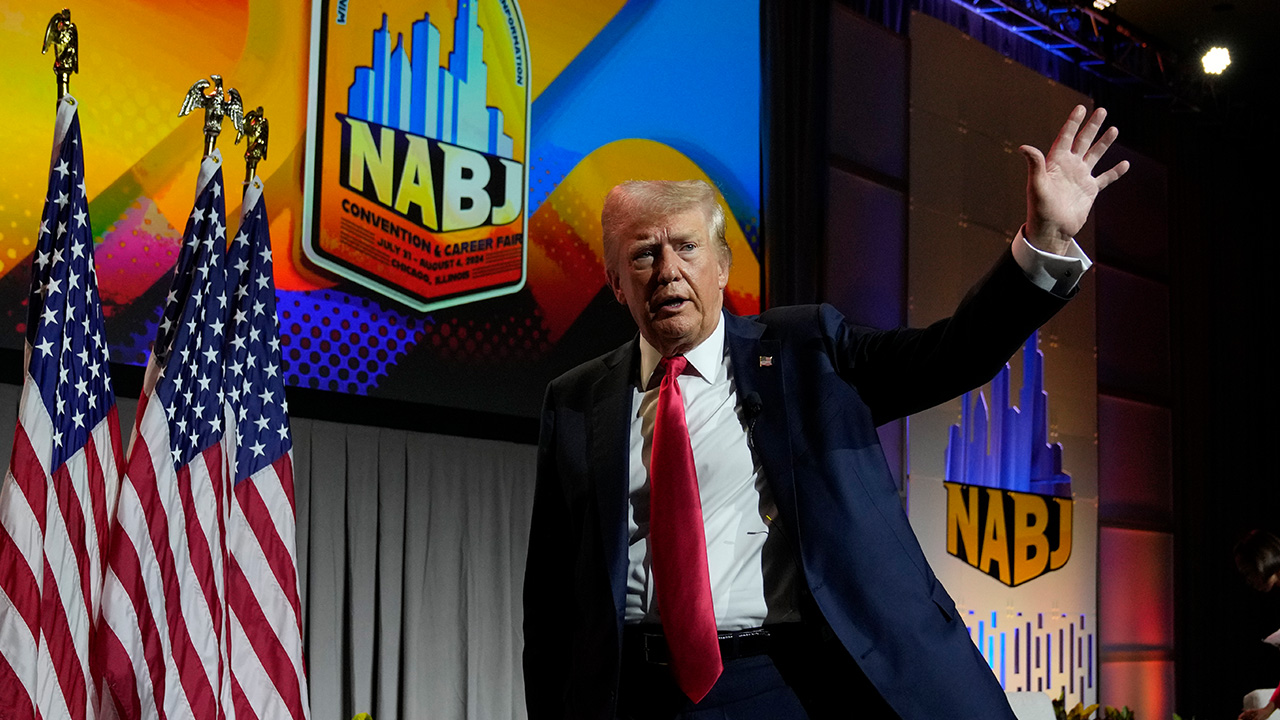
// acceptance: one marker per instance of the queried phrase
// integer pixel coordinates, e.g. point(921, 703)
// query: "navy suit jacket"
point(827, 386)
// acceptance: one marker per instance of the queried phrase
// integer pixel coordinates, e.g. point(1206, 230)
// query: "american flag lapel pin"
point(766, 361)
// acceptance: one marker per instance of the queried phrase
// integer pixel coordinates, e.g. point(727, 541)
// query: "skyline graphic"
point(1038, 652)
point(408, 88)
point(1006, 446)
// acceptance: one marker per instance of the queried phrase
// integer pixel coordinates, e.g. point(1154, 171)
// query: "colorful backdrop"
point(654, 88)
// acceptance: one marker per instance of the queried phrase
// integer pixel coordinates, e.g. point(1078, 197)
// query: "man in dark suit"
point(715, 529)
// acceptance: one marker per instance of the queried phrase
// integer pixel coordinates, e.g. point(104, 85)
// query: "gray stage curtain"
point(412, 551)
point(411, 555)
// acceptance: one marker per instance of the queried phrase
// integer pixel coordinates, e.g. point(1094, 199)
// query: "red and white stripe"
point(193, 627)
point(262, 585)
point(164, 640)
point(53, 527)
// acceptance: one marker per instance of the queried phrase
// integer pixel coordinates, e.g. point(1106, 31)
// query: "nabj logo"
point(1009, 504)
point(428, 202)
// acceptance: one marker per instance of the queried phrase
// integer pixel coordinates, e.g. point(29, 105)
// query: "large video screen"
point(434, 179)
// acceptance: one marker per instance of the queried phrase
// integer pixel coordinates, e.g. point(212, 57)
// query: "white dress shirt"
point(753, 575)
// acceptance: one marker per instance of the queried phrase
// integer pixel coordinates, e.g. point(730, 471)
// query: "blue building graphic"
point(408, 88)
point(1006, 446)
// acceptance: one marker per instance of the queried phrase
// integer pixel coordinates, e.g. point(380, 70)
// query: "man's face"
point(671, 276)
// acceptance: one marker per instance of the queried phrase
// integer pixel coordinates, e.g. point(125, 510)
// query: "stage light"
point(1103, 4)
point(1216, 60)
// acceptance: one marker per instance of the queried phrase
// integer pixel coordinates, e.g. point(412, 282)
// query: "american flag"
point(268, 675)
point(63, 476)
point(164, 639)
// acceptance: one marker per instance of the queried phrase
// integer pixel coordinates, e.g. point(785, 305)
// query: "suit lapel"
point(610, 429)
point(759, 367)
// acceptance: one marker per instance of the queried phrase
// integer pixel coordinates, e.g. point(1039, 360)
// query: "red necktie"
point(679, 544)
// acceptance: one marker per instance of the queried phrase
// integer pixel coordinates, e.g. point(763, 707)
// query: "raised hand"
point(1061, 187)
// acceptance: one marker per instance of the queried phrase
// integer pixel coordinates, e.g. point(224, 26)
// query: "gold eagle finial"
point(60, 34)
point(256, 130)
point(217, 104)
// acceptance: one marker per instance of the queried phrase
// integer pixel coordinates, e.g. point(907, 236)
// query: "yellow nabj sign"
point(1012, 536)
point(419, 142)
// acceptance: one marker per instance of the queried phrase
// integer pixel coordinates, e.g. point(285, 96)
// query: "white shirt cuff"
point(1058, 274)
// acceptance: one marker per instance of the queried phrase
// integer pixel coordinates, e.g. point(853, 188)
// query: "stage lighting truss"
point(1097, 41)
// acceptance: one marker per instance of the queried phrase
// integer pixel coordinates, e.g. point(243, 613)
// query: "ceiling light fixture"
point(1103, 4)
point(1216, 60)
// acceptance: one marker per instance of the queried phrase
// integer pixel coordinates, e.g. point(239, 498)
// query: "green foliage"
point(1080, 712)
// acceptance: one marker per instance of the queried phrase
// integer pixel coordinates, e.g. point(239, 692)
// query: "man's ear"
point(616, 286)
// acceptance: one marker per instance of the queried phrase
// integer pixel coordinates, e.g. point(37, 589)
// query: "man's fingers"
point(1113, 174)
point(1087, 133)
point(1066, 136)
point(1098, 149)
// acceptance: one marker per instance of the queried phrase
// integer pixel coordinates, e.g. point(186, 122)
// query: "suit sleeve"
point(903, 371)
point(548, 582)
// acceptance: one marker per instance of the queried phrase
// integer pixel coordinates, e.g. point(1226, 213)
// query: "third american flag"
point(262, 580)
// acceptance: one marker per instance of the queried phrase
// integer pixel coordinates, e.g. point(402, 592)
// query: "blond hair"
point(635, 201)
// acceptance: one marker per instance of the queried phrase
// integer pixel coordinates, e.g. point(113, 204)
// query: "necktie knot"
point(673, 367)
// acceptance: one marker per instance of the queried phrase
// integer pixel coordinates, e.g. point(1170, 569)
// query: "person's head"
point(667, 260)
point(1258, 559)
